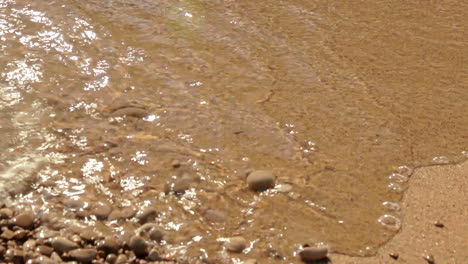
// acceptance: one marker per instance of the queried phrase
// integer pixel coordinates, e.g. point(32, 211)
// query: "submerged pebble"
point(261, 180)
point(130, 111)
point(313, 253)
point(24, 220)
point(83, 254)
point(62, 244)
point(101, 210)
point(138, 245)
point(236, 244)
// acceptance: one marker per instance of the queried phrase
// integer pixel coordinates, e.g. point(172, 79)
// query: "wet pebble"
point(121, 259)
point(101, 210)
point(429, 259)
point(147, 215)
point(130, 111)
point(108, 245)
point(24, 220)
point(6, 213)
point(7, 234)
point(111, 258)
point(236, 244)
point(177, 185)
point(153, 255)
point(44, 250)
point(313, 253)
point(62, 244)
point(156, 234)
point(394, 255)
point(83, 254)
point(261, 180)
point(124, 213)
point(215, 216)
point(29, 245)
point(138, 245)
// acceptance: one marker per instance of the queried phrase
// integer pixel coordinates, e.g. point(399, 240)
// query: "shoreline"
point(437, 194)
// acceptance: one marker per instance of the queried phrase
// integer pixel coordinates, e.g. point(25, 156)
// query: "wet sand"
point(117, 114)
point(436, 194)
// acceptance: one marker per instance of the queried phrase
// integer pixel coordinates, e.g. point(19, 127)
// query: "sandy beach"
point(436, 194)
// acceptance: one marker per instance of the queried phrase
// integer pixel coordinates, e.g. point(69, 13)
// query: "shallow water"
point(342, 101)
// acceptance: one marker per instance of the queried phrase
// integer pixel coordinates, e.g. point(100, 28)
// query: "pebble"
point(439, 224)
point(125, 213)
point(215, 216)
point(83, 254)
point(429, 259)
point(261, 180)
point(138, 245)
point(130, 111)
point(177, 185)
point(30, 244)
point(147, 215)
point(236, 244)
point(394, 255)
point(7, 234)
point(121, 259)
point(61, 244)
point(251, 261)
point(108, 245)
point(156, 234)
point(101, 210)
point(6, 213)
point(153, 255)
point(44, 250)
point(312, 253)
point(24, 220)
point(111, 258)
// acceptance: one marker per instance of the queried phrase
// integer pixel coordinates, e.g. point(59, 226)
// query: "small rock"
point(55, 257)
point(6, 213)
point(177, 185)
point(138, 245)
point(44, 250)
point(429, 259)
point(108, 245)
point(124, 213)
point(20, 234)
point(156, 234)
point(236, 244)
point(75, 202)
point(147, 215)
point(261, 180)
point(61, 244)
point(7, 234)
point(43, 260)
point(394, 255)
point(111, 258)
point(215, 216)
point(251, 261)
point(439, 224)
point(24, 220)
point(83, 254)
point(29, 245)
point(130, 111)
point(285, 188)
point(153, 255)
point(313, 253)
point(121, 259)
point(101, 210)
point(175, 164)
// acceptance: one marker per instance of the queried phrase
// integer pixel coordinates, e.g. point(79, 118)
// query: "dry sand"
point(436, 193)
